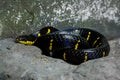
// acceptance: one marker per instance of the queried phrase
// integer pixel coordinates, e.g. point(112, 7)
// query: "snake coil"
point(74, 45)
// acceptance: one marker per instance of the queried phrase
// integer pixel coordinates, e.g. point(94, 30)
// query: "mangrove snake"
point(75, 45)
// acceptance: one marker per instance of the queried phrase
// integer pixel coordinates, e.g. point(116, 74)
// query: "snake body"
point(75, 45)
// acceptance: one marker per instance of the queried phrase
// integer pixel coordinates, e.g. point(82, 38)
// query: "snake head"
point(26, 39)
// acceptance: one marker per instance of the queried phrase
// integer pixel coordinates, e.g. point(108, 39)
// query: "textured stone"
point(18, 16)
point(1, 28)
point(21, 62)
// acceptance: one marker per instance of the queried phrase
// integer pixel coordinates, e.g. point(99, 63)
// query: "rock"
point(31, 15)
point(26, 62)
point(22, 62)
point(1, 28)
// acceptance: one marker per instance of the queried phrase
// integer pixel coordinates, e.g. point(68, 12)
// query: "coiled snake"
point(75, 45)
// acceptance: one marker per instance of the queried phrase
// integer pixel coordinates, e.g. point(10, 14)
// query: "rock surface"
point(20, 62)
point(27, 16)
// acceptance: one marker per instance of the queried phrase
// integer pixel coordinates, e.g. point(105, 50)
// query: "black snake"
point(74, 45)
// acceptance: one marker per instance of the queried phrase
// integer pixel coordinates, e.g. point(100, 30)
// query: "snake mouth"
point(25, 39)
point(21, 38)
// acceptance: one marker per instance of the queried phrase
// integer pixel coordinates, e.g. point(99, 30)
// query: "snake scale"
point(73, 45)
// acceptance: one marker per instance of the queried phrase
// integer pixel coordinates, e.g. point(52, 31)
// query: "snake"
point(73, 45)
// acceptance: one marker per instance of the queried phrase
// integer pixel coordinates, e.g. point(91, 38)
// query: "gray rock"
point(1, 28)
point(27, 16)
point(21, 62)
point(26, 62)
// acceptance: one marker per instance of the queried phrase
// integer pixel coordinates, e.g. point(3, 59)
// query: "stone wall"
point(26, 16)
